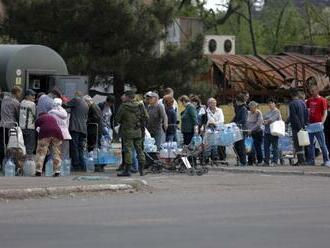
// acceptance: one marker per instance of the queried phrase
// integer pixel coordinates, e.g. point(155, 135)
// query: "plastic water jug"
point(49, 168)
point(90, 163)
point(10, 168)
point(66, 167)
point(29, 167)
point(303, 138)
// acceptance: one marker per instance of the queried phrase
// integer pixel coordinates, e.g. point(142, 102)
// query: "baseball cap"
point(30, 92)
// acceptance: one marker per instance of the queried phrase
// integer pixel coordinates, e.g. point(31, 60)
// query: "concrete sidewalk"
point(278, 170)
point(34, 187)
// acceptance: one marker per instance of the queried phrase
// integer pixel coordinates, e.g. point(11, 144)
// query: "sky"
point(212, 4)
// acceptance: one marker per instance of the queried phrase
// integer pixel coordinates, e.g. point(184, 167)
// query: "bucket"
point(303, 138)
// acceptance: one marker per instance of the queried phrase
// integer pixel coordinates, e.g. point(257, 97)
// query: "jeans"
point(271, 141)
point(257, 148)
point(311, 149)
point(158, 138)
point(77, 150)
point(30, 140)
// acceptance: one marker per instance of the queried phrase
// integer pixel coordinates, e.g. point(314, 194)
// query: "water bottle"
point(90, 163)
point(29, 167)
point(66, 167)
point(10, 168)
point(49, 168)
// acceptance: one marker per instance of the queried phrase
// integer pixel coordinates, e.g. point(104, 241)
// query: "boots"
point(141, 166)
point(125, 172)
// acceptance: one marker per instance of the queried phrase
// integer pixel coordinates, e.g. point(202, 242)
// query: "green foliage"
point(102, 37)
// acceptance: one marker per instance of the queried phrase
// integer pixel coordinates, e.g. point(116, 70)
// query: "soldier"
point(131, 116)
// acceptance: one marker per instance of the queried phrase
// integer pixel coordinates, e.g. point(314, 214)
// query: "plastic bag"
point(248, 142)
point(277, 128)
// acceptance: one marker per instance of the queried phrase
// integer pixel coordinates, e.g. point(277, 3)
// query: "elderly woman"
point(62, 118)
point(270, 140)
point(189, 121)
point(50, 138)
point(254, 125)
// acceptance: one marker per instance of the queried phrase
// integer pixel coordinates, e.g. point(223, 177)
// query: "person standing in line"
point(170, 92)
point(271, 141)
point(317, 108)
point(107, 109)
point(78, 130)
point(172, 118)
point(49, 139)
point(240, 118)
point(45, 102)
point(9, 116)
point(327, 126)
point(254, 125)
point(298, 118)
point(201, 112)
point(27, 118)
point(215, 118)
point(189, 122)
point(132, 117)
point(94, 132)
point(157, 118)
point(62, 118)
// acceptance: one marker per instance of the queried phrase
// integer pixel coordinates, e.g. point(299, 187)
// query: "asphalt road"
point(217, 210)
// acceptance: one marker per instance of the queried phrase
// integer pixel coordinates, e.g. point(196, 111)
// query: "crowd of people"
point(196, 118)
point(56, 127)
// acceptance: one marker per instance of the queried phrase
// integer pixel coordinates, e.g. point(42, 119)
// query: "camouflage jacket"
point(132, 117)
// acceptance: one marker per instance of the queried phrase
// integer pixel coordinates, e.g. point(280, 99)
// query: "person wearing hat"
point(27, 118)
point(45, 102)
point(132, 117)
point(157, 117)
point(254, 125)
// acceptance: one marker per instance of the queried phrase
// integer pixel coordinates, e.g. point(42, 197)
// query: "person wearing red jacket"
point(50, 138)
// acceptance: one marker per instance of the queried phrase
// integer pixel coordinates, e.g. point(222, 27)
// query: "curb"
point(38, 192)
point(266, 172)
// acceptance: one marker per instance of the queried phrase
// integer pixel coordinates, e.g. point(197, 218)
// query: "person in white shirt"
point(215, 118)
point(214, 114)
point(27, 117)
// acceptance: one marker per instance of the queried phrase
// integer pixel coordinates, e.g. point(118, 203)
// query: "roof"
point(286, 70)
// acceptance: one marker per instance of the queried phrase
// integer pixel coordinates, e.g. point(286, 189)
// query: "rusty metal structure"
point(267, 75)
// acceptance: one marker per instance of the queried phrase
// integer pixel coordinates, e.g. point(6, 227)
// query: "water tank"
point(29, 66)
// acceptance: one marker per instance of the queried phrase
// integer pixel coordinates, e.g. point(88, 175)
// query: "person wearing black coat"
point(240, 118)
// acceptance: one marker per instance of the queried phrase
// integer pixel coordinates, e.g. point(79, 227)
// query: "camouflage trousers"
point(54, 146)
point(128, 144)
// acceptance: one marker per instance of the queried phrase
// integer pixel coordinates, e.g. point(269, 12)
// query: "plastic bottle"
point(90, 163)
point(66, 167)
point(29, 167)
point(10, 168)
point(49, 168)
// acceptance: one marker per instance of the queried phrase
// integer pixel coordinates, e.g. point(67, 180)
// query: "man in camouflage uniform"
point(132, 117)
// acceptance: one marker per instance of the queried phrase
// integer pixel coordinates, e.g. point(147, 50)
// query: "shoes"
point(99, 168)
point(260, 164)
point(38, 174)
point(124, 174)
point(327, 164)
point(57, 174)
point(133, 171)
point(265, 164)
point(273, 164)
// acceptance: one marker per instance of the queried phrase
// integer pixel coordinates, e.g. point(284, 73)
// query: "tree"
point(99, 37)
